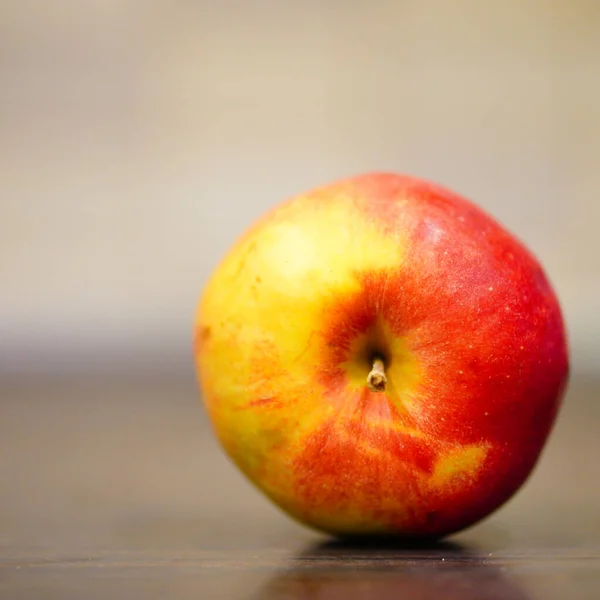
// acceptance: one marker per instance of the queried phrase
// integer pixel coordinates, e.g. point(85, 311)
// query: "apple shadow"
point(386, 543)
point(388, 568)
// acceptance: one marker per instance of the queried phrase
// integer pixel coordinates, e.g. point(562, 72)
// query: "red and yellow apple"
point(380, 356)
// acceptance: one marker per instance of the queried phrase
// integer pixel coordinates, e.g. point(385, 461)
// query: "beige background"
point(139, 138)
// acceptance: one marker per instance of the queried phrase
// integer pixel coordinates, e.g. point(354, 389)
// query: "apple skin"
point(464, 317)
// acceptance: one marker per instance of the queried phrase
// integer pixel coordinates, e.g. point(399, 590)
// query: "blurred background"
point(138, 139)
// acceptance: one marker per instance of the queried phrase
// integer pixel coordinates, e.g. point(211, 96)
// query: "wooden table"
point(113, 488)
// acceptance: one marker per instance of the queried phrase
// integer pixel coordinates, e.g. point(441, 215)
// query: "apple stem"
point(376, 379)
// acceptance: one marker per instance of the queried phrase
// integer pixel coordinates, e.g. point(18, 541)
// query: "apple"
point(380, 356)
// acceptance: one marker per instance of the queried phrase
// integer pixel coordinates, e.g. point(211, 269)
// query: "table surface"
point(117, 488)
